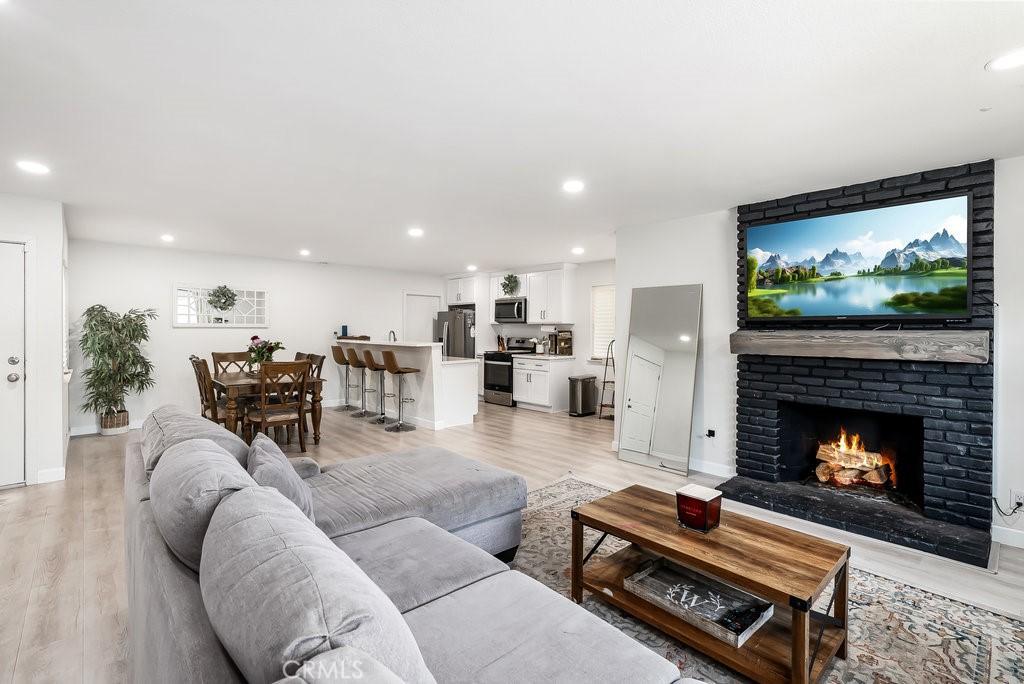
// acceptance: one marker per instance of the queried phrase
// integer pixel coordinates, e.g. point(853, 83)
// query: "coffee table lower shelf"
point(765, 657)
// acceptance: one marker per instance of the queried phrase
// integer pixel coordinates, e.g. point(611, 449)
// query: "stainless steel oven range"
point(498, 372)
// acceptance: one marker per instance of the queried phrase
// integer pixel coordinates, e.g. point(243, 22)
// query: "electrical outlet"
point(1017, 497)
point(711, 433)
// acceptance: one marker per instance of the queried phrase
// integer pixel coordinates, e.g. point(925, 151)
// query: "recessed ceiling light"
point(1010, 60)
point(167, 238)
point(471, 267)
point(573, 186)
point(303, 252)
point(684, 338)
point(416, 231)
point(577, 250)
point(33, 167)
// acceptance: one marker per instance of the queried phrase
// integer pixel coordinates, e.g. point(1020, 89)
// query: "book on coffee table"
point(719, 609)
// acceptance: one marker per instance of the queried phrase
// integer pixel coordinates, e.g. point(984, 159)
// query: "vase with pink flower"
point(261, 351)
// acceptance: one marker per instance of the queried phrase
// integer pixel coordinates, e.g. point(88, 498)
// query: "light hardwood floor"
point(63, 600)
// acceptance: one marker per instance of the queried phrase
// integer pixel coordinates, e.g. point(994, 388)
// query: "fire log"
point(825, 470)
point(847, 476)
point(879, 475)
point(848, 459)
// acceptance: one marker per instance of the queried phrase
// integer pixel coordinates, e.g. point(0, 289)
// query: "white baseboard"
point(712, 468)
point(1008, 536)
point(49, 475)
point(81, 430)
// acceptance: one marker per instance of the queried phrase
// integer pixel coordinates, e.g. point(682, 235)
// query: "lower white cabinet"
point(541, 384)
point(480, 376)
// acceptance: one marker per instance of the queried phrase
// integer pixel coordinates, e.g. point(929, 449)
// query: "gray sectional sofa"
point(244, 565)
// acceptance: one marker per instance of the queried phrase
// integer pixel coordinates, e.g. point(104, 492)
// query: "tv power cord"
point(1012, 512)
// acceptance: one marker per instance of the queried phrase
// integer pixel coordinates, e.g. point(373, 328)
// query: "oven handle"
point(499, 363)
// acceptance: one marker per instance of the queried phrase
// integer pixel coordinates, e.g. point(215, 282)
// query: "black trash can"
point(582, 395)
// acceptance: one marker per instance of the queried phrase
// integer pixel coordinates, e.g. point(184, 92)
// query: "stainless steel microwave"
point(510, 310)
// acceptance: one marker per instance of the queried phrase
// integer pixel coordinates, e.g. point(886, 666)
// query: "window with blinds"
point(602, 319)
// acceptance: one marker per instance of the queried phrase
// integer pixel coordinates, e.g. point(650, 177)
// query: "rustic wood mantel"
point(953, 346)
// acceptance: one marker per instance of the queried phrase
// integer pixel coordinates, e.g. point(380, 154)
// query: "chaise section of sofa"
point(473, 500)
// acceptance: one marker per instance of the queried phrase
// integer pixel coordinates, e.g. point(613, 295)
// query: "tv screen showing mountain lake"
point(907, 259)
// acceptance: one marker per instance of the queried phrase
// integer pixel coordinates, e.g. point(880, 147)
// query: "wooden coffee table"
point(788, 568)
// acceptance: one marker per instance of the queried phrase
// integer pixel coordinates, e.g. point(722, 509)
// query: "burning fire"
point(851, 445)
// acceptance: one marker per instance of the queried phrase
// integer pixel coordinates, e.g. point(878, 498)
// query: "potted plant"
point(111, 344)
point(510, 285)
point(261, 351)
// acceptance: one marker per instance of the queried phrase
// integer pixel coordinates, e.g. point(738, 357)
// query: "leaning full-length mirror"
point(660, 369)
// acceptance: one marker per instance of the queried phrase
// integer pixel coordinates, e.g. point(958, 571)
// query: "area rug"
point(897, 633)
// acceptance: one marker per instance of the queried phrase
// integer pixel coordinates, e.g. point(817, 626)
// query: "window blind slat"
point(602, 319)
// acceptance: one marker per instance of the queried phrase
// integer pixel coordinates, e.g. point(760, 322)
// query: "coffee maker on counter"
point(560, 343)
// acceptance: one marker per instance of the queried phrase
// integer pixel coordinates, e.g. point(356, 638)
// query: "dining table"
point(236, 387)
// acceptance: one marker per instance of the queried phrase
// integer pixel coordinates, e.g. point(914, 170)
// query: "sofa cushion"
point(304, 466)
point(270, 468)
point(189, 484)
point(414, 561)
point(509, 627)
point(170, 425)
point(438, 485)
point(340, 665)
point(277, 590)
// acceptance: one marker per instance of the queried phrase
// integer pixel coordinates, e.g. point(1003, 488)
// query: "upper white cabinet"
point(550, 295)
point(462, 290)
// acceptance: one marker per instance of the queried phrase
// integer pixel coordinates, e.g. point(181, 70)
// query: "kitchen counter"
point(443, 391)
point(455, 360)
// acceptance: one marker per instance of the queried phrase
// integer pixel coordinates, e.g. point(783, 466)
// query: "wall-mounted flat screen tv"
point(908, 261)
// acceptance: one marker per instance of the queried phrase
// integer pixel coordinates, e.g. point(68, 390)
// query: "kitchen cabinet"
point(461, 290)
point(549, 296)
point(541, 384)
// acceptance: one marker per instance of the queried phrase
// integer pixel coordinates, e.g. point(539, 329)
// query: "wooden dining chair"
point(231, 362)
point(316, 363)
point(282, 402)
point(213, 407)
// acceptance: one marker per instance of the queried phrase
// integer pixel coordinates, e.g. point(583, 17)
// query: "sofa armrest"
point(305, 466)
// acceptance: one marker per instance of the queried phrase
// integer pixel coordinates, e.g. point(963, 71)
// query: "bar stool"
point(354, 362)
point(391, 364)
point(339, 358)
point(372, 365)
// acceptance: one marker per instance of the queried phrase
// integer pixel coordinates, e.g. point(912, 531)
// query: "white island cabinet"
point(443, 392)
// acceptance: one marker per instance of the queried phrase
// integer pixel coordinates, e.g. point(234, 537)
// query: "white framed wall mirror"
point(656, 410)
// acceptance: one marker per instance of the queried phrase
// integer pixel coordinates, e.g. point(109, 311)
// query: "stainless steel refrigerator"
point(455, 330)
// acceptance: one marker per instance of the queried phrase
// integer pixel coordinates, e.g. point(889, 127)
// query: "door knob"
point(13, 377)
point(13, 360)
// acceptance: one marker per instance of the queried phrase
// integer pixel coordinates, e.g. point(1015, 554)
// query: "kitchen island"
point(444, 391)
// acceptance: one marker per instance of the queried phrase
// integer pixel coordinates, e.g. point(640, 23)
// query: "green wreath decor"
point(222, 298)
point(510, 285)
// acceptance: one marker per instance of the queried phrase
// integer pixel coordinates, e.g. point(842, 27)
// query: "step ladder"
point(608, 385)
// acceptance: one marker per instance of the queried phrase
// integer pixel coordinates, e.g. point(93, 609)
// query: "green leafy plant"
point(222, 298)
point(111, 343)
point(510, 285)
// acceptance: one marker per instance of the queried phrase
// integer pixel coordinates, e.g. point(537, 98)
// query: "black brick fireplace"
point(943, 503)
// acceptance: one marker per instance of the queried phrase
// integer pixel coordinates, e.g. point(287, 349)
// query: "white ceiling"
point(262, 126)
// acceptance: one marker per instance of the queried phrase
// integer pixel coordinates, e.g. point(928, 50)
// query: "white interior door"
point(420, 311)
point(643, 381)
point(12, 360)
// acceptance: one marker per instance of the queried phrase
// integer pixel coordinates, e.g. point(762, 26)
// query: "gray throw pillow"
point(270, 468)
point(186, 488)
point(170, 425)
point(278, 592)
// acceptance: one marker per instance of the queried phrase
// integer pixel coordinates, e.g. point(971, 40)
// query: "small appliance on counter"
point(498, 370)
point(560, 343)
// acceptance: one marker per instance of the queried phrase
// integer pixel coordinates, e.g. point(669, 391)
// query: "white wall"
point(1009, 401)
point(308, 302)
point(40, 225)
point(698, 249)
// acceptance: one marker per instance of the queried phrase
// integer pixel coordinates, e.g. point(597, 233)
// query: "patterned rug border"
point(570, 476)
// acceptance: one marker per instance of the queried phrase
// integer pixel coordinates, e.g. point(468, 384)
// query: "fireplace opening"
point(865, 453)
